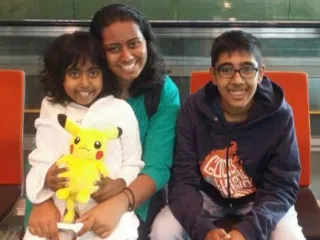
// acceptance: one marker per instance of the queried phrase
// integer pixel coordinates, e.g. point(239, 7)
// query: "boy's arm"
point(185, 200)
point(279, 187)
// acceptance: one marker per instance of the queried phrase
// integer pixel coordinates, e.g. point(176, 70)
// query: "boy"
point(243, 117)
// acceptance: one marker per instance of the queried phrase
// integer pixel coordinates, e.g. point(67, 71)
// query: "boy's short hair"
point(69, 50)
point(235, 40)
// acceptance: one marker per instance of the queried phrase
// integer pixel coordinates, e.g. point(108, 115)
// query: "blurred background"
point(289, 31)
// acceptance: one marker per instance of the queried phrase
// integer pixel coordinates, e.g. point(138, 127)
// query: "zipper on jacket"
point(228, 179)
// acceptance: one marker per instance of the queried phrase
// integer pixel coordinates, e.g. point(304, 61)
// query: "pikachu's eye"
point(97, 145)
point(76, 140)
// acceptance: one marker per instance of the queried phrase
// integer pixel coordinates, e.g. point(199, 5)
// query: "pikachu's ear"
point(67, 124)
point(113, 132)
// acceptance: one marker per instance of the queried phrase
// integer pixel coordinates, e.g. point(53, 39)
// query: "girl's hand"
point(52, 181)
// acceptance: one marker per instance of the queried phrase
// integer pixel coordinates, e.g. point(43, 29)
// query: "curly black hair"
point(69, 50)
point(154, 69)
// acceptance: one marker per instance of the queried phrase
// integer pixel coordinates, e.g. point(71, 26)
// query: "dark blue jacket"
point(263, 162)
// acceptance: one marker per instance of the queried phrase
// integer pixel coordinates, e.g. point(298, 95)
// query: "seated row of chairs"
point(12, 82)
point(12, 87)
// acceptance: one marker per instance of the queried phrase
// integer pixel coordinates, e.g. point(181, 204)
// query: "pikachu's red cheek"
point(99, 155)
point(71, 148)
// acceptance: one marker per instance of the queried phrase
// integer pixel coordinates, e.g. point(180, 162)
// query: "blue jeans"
point(167, 227)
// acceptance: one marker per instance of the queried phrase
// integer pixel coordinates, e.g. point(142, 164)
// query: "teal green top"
point(157, 136)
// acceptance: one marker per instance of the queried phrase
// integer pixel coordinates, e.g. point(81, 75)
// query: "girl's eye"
point(94, 73)
point(73, 74)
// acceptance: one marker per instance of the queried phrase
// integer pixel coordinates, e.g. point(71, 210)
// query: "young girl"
point(133, 57)
point(77, 83)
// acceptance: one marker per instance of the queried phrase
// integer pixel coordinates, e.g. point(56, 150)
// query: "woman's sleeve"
point(159, 141)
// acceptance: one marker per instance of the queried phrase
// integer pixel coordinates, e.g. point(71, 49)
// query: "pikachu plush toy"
point(85, 163)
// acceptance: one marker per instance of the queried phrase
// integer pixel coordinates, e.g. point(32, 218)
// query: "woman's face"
point(126, 50)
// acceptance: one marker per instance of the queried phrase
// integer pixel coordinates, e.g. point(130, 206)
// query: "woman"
point(132, 56)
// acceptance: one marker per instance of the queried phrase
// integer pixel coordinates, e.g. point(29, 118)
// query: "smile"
point(128, 67)
point(84, 148)
point(84, 94)
point(237, 94)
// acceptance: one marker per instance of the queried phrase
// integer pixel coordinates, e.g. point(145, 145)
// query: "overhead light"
point(227, 4)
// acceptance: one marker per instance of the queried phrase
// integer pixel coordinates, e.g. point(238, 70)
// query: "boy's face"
point(237, 88)
point(83, 83)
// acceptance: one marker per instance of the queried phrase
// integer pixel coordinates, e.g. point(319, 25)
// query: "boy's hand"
point(108, 188)
point(218, 234)
point(52, 181)
point(236, 235)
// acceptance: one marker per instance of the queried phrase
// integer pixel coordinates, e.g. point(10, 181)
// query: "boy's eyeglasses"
point(245, 72)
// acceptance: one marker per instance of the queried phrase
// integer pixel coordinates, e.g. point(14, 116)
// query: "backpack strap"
point(152, 99)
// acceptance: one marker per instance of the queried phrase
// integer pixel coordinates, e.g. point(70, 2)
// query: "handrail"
point(170, 23)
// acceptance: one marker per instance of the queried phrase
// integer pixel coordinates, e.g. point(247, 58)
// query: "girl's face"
point(83, 83)
point(126, 50)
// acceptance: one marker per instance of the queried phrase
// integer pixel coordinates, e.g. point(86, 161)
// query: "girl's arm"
point(50, 140)
point(131, 145)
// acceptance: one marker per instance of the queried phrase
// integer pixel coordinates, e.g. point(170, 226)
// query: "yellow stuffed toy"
point(85, 163)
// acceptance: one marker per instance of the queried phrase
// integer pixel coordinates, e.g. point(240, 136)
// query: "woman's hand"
point(108, 188)
point(43, 220)
point(52, 181)
point(103, 218)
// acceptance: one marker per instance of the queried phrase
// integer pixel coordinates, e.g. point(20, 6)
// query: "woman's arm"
point(131, 164)
point(158, 146)
point(44, 225)
point(143, 188)
point(157, 156)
